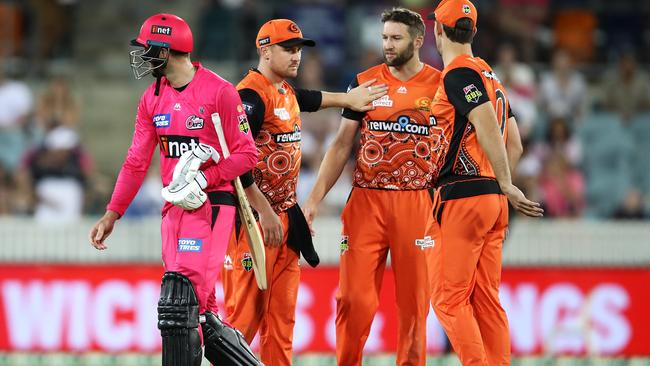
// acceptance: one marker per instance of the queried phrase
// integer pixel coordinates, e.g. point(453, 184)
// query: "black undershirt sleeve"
point(349, 113)
point(255, 110)
point(309, 100)
point(465, 90)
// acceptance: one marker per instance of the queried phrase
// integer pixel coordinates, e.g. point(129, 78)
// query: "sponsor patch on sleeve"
point(244, 127)
point(247, 107)
point(189, 245)
point(162, 120)
point(472, 94)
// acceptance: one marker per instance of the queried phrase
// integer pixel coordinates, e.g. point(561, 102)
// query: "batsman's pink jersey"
point(178, 121)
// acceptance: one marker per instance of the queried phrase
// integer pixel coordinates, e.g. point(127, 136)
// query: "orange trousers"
point(466, 272)
point(272, 312)
point(374, 223)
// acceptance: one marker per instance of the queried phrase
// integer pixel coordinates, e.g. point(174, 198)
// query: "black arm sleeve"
point(309, 100)
point(349, 113)
point(465, 89)
point(255, 109)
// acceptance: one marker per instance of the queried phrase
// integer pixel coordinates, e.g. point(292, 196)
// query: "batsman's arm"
point(514, 148)
point(134, 170)
point(332, 166)
point(243, 153)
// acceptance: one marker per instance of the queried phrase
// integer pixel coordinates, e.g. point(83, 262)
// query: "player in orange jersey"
point(390, 199)
point(273, 109)
point(481, 142)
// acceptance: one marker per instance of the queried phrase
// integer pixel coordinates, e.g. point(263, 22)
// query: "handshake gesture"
point(188, 182)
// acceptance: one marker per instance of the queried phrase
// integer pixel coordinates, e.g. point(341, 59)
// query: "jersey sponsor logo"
point(404, 124)
point(288, 136)
point(265, 41)
point(244, 127)
point(384, 101)
point(173, 146)
point(162, 120)
point(432, 120)
point(247, 262)
point(472, 94)
point(423, 104)
point(491, 75)
point(194, 123)
point(161, 29)
point(402, 90)
point(343, 246)
point(425, 242)
point(248, 107)
point(282, 114)
point(189, 245)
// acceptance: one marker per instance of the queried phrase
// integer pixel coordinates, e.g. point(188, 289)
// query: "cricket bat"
point(255, 240)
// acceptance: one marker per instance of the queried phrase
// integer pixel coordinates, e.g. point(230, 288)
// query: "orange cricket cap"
point(448, 12)
point(283, 32)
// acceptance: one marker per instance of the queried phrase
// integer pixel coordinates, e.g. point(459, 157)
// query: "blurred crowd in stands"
point(576, 73)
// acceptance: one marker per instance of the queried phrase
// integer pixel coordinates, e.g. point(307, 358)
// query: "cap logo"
point(264, 41)
point(466, 9)
point(293, 28)
point(161, 29)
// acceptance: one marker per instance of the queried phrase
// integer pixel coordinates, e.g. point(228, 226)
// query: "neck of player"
point(180, 72)
point(265, 69)
point(453, 50)
point(407, 70)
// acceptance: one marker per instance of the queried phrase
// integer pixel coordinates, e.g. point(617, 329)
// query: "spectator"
point(15, 110)
point(632, 207)
point(563, 92)
point(562, 187)
point(57, 106)
point(626, 89)
point(53, 177)
point(519, 80)
point(559, 140)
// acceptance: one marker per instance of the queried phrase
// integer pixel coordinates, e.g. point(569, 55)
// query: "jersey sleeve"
point(254, 108)
point(465, 90)
point(236, 130)
point(349, 113)
point(309, 100)
point(137, 161)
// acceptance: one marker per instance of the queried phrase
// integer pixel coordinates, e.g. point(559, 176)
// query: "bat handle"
point(216, 121)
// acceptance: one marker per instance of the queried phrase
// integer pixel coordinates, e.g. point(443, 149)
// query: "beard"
point(286, 73)
point(401, 58)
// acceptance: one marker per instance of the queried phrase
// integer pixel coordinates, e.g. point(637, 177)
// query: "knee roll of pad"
point(178, 321)
point(224, 345)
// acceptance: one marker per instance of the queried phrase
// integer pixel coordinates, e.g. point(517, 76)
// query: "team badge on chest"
point(194, 123)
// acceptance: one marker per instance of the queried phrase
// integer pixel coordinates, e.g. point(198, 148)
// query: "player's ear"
point(418, 42)
point(265, 53)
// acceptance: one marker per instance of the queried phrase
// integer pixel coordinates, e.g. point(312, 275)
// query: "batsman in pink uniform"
point(197, 221)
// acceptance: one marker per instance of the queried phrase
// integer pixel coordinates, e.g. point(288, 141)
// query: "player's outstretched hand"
point(522, 204)
point(309, 210)
point(360, 98)
point(271, 228)
point(102, 229)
